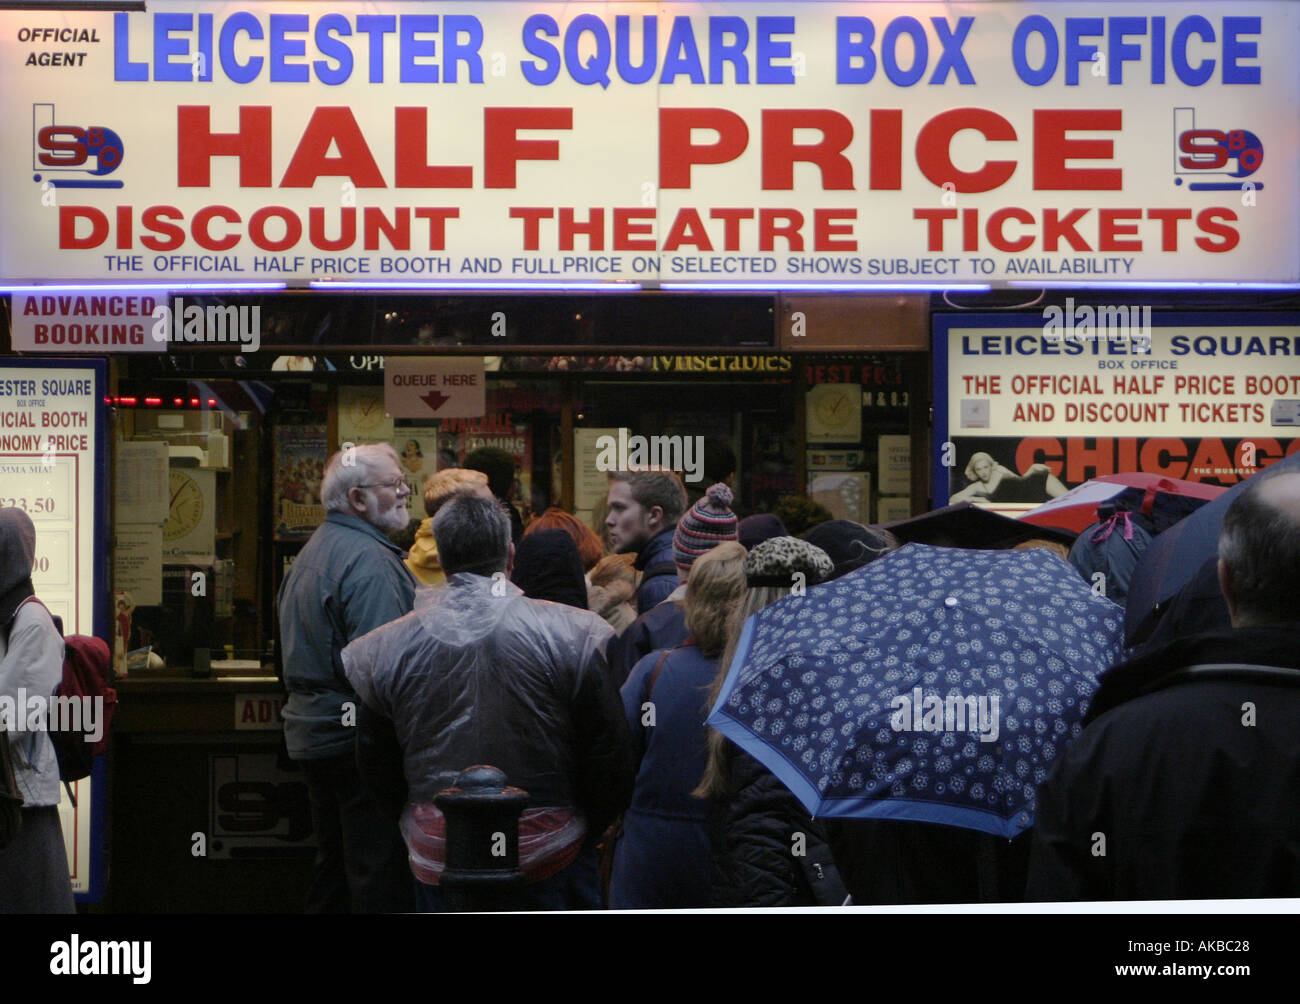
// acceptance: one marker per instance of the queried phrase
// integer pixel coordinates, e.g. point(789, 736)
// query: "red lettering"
point(199, 227)
point(1052, 148)
point(411, 138)
point(503, 149)
point(197, 144)
point(327, 127)
point(634, 230)
point(677, 154)
point(933, 149)
point(781, 152)
point(687, 228)
point(68, 217)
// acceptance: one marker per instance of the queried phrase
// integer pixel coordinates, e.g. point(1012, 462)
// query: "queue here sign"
point(427, 387)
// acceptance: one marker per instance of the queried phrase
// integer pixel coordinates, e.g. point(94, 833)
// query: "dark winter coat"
point(755, 835)
point(1182, 787)
point(660, 627)
point(890, 862)
point(658, 551)
point(662, 860)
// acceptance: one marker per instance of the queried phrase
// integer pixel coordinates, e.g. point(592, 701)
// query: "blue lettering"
point(164, 47)
point(412, 48)
point(533, 27)
point(768, 49)
point(1120, 51)
point(1235, 49)
point(649, 48)
point(853, 38)
point(283, 48)
point(1157, 50)
point(123, 67)
point(454, 51)
point(1035, 24)
point(597, 69)
point(240, 73)
point(333, 48)
point(952, 57)
point(1075, 51)
point(911, 27)
point(682, 55)
point(721, 51)
point(376, 26)
point(1183, 70)
point(205, 47)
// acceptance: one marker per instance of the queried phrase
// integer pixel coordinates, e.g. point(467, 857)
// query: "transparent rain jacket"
point(479, 674)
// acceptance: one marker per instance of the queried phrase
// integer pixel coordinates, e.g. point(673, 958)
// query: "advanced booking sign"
point(652, 143)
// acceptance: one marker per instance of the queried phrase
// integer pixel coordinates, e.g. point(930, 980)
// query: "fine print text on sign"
point(870, 142)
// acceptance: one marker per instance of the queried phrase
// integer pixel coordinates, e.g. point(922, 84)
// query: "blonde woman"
point(753, 818)
point(662, 859)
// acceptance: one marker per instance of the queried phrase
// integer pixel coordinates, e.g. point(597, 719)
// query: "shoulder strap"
point(54, 618)
point(654, 673)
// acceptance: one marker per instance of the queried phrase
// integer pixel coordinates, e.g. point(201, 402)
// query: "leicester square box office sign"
point(1029, 405)
point(652, 143)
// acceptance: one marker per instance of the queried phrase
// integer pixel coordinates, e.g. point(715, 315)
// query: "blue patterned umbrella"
point(935, 684)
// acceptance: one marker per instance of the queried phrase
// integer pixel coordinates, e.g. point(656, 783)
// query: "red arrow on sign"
point(435, 399)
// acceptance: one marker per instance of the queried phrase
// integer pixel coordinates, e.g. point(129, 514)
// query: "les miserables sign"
point(652, 143)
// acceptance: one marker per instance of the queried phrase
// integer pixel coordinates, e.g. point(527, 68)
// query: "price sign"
point(50, 415)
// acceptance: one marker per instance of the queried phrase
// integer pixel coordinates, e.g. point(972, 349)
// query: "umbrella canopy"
point(1077, 509)
point(964, 524)
point(935, 684)
point(1175, 556)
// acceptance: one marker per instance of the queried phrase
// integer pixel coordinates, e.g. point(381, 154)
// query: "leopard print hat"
point(775, 561)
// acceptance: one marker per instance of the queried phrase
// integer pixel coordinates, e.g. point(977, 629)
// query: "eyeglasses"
point(396, 484)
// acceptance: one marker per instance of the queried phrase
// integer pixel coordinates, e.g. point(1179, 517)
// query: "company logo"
point(73, 156)
point(1205, 153)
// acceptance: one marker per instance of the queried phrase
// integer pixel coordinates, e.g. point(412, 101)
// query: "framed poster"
point(300, 456)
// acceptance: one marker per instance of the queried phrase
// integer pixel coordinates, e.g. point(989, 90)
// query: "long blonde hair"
point(713, 591)
point(715, 780)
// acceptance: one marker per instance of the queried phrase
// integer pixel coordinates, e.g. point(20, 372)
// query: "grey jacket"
point(348, 580)
point(31, 660)
point(475, 676)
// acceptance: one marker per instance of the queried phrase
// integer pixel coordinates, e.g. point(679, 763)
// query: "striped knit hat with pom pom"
point(709, 522)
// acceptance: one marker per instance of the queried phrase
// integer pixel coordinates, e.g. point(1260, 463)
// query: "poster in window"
point(300, 455)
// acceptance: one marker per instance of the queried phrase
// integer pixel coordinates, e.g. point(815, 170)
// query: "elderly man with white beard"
point(348, 580)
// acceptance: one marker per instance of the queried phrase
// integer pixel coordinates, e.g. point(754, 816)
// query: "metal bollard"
point(482, 869)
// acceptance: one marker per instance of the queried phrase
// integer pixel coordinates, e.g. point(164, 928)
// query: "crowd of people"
point(585, 671)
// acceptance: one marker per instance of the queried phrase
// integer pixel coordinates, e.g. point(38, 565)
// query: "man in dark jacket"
point(480, 674)
point(644, 507)
point(1183, 784)
point(347, 580)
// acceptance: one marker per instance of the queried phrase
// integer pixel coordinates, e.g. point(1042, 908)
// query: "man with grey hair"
point(480, 674)
point(347, 580)
point(1183, 785)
